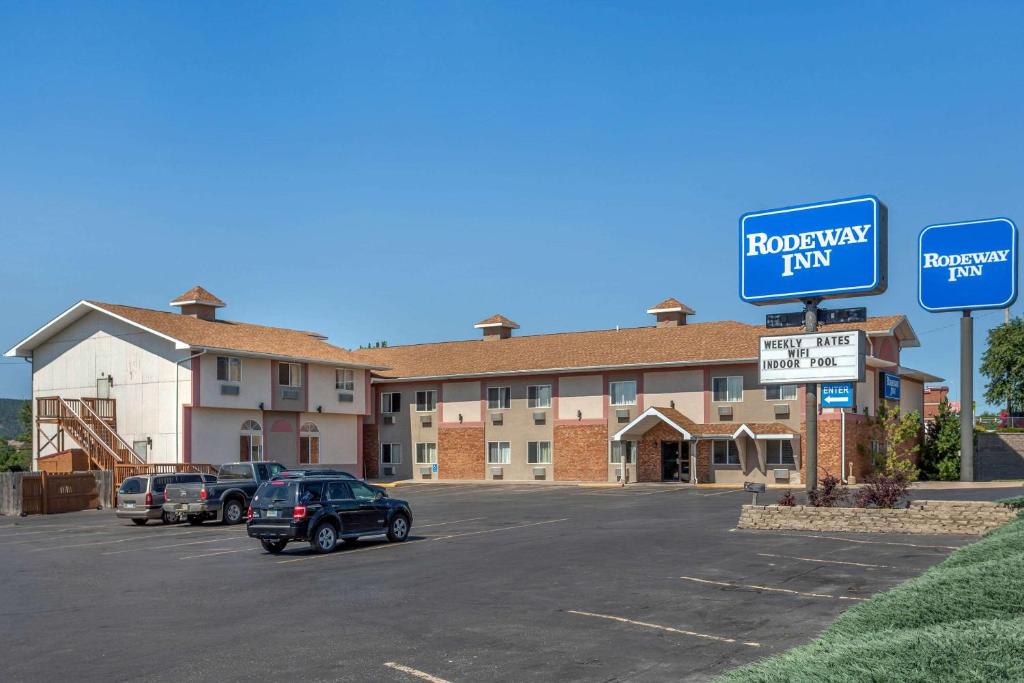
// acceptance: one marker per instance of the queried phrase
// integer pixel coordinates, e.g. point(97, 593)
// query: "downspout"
point(177, 404)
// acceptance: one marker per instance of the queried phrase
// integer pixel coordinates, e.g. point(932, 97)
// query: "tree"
point(19, 459)
point(25, 416)
point(899, 438)
point(1003, 365)
point(941, 456)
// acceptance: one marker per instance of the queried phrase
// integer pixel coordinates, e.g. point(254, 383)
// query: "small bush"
point(787, 500)
point(883, 492)
point(1016, 502)
point(830, 493)
point(949, 468)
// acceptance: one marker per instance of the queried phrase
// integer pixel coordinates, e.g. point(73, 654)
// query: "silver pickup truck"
point(225, 500)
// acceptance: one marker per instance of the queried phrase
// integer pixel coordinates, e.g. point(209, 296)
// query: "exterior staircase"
point(91, 423)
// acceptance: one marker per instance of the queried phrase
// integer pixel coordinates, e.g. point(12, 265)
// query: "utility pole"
point(811, 399)
point(967, 397)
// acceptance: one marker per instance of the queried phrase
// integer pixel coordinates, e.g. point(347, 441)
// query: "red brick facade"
point(830, 443)
point(581, 452)
point(703, 461)
point(370, 446)
point(648, 451)
point(460, 453)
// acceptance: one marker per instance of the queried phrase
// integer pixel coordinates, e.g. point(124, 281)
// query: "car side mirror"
point(377, 495)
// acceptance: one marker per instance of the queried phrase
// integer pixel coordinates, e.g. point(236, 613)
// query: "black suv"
point(321, 510)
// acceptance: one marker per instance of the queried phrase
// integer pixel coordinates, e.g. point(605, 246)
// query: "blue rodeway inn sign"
point(970, 265)
point(829, 249)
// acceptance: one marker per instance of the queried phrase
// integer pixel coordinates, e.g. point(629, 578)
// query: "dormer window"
point(289, 374)
point(229, 369)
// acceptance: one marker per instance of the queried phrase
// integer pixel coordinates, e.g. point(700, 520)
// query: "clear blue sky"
point(400, 171)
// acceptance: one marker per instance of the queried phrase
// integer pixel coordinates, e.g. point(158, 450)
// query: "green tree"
point(941, 456)
point(25, 416)
point(899, 438)
point(1003, 365)
point(14, 460)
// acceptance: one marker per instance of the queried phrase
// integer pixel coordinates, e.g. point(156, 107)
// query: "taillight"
point(149, 499)
point(202, 494)
point(248, 514)
point(299, 512)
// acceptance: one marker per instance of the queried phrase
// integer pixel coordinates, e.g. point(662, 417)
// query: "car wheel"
point(168, 518)
point(195, 520)
point(140, 522)
point(273, 547)
point(233, 513)
point(398, 530)
point(324, 538)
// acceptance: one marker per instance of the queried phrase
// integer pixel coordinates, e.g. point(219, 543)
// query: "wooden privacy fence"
point(122, 472)
point(43, 493)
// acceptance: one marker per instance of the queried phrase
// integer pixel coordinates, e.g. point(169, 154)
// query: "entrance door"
point(675, 461)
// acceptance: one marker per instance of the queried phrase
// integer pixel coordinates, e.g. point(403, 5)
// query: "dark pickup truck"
point(226, 499)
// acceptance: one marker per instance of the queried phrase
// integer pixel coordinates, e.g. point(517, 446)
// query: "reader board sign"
point(890, 386)
point(837, 395)
point(824, 250)
point(812, 358)
point(965, 266)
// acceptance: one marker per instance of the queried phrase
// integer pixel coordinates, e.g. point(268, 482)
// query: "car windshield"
point(234, 472)
point(133, 485)
point(275, 492)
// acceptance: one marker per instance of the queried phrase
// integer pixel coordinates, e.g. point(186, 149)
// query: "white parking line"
point(454, 521)
point(668, 629)
point(855, 540)
point(414, 672)
point(238, 537)
point(501, 528)
point(345, 553)
point(770, 589)
point(218, 552)
point(720, 493)
point(815, 559)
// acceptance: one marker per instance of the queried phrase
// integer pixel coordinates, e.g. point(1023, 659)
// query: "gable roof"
point(689, 429)
point(188, 332)
point(708, 342)
point(197, 295)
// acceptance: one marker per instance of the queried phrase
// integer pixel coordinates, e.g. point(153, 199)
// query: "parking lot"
point(515, 582)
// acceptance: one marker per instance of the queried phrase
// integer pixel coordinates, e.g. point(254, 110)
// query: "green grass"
point(962, 620)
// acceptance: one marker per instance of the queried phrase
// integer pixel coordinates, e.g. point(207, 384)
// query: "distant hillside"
point(10, 426)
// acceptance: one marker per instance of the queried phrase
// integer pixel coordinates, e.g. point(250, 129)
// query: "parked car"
point(325, 472)
point(225, 499)
point(141, 498)
point(321, 510)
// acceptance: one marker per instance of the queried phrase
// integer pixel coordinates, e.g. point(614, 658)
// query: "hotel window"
point(229, 369)
point(622, 393)
point(620, 448)
point(426, 453)
point(309, 444)
point(779, 452)
point(499, 398)
point(344, 379)
point(538, 452)
point(426, 401)
point(538, 396)
point(726, 453)
point(289, 374)
point(499, 453)
point(391, 453)
point(251, 442)
point(780, 392)
point(727, 389)
point(391, 402)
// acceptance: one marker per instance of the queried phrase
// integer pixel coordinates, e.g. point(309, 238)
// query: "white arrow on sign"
point(836, 399)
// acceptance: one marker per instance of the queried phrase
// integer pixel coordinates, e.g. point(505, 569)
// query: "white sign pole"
point(811, 413)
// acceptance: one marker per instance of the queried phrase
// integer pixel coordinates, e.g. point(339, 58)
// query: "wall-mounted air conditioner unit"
point(782, 410)
point(724, 412)
point(290, 394)
point(426, 473)
point(622, 415)
point(496, 472)
point(426, 420)
point(388, 419)
point(540, 417)
point(388, 471)
point(497, 418)
point(229, 389)
point(781, 474)
point(540, 473)
point(345, 397)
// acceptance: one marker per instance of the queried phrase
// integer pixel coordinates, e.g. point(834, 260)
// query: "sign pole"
point(811, 399)
point(967, 397)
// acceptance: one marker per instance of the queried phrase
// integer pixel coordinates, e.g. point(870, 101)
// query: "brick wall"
point(371, 460)
point(648, 451)
point(922, 517)
point(581, 452)
point(460, 453)
point(858, 448)
point(703, 461)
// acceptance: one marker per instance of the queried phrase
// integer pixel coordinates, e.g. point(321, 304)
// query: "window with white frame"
point(251, 441)
point(780, 392)
point(499, 453)
point(345, 379)
point(727, 389)
point(779, 452)
point(622, 393)
point(390, 402)
point(391, 453)
point(538, 396)
point(726, 453)
point(289, 374)
point(622, 448)
point(229, 369)
point(426, 453)
point(538, 452)
point(426, 401)
point(499, 398)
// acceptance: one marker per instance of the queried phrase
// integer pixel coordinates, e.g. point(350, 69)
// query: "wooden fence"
point(122, 472)
point(43, 493)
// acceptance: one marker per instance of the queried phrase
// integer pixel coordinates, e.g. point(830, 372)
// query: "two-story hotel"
point(674, 401)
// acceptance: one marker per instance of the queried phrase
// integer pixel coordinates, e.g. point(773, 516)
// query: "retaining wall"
point(922, 517)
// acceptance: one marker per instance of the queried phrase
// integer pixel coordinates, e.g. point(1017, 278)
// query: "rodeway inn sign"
point(823, 250)
point(971, 265)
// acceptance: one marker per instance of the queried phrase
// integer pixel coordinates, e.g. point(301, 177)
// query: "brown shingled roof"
point(671, 304)
point(197, 295)
point(497, 321)
point(240, 337)
point(714, 429)
point(638, 346)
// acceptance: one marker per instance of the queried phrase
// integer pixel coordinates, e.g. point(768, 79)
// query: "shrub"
point(830, 493)
point(787, 500)
point(882, 491)
point(948, 468)
point(1016, 502)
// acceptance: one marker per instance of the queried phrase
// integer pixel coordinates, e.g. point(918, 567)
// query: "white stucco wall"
point(215, 433)
point(143, 370)
point(911, 396)
point(339, 437)
point(255, 387)
point(685, 387)
point(461, 398)
point(580, 393)
point(322, 391)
